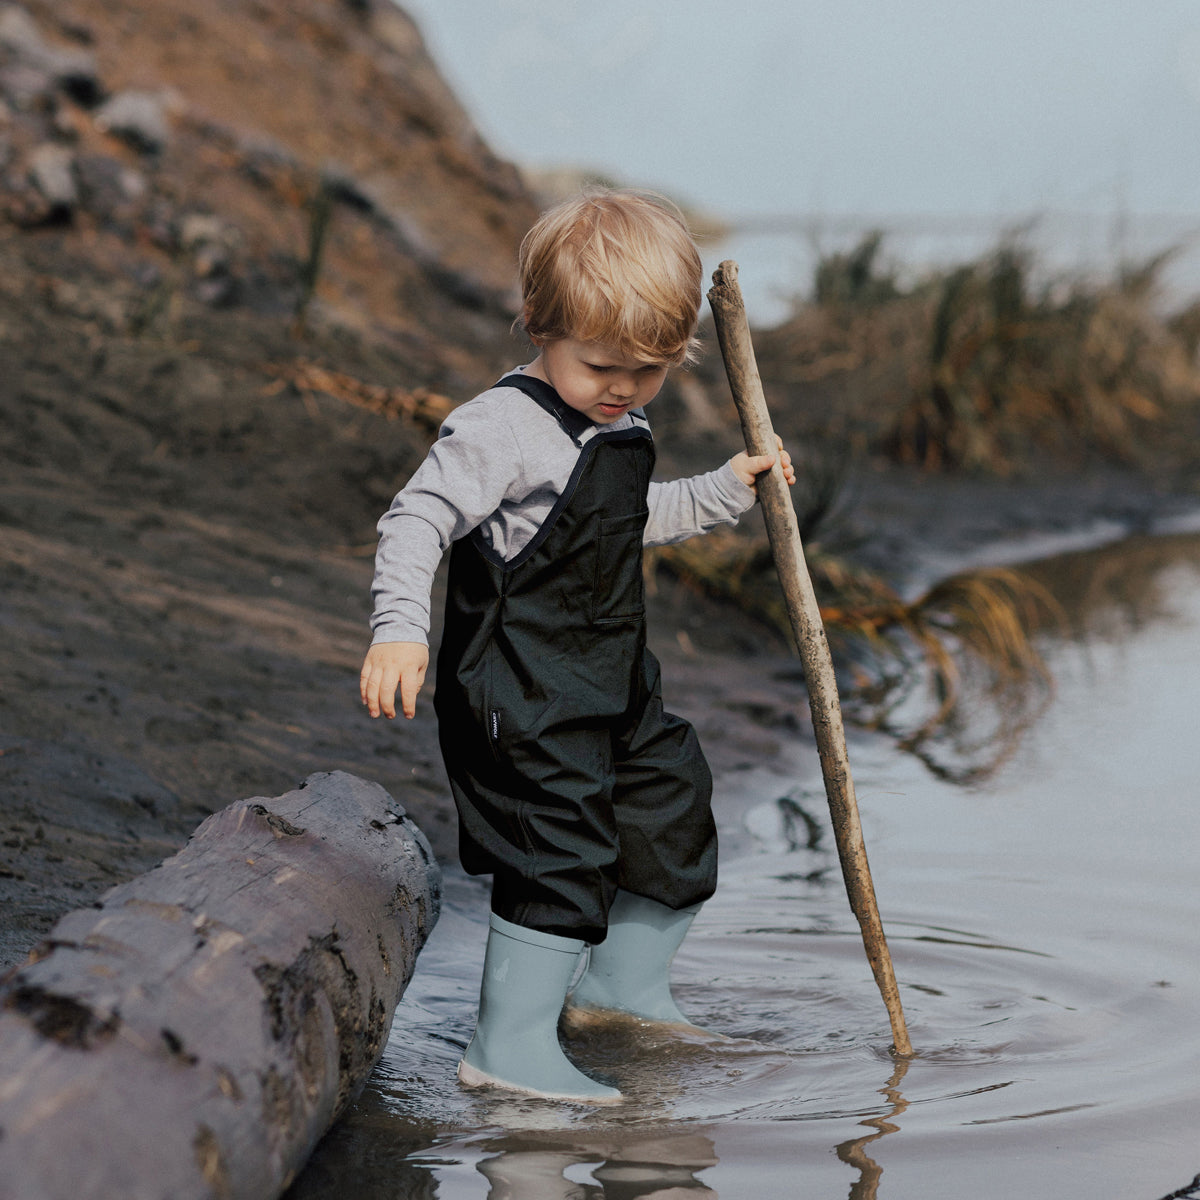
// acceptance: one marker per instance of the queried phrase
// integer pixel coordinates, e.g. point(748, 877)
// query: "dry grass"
point(915, 669)
point(987, 368)
point(984, 365)
point(425, 408)
point(1006, 367)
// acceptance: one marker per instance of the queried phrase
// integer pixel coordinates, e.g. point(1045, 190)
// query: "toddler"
point(586, 802)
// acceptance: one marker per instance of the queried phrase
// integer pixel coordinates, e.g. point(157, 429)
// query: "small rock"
point(196, 229)
point(212, 244)
point(26, 88)
point(19, 32)
point(139, 118)
point(74, 71)
point(107, 187)
point(52, 172)
point(133, 184)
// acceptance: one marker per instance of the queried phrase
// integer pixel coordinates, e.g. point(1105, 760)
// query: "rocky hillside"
point(246, 247)
point(188, 142)
point(226, 230)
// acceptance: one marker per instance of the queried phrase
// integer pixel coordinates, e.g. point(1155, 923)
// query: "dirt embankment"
point(184, 535)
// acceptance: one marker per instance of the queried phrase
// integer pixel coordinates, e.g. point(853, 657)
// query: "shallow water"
point(1045, 932)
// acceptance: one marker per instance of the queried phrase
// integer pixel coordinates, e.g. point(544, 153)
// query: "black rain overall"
point(570, 779)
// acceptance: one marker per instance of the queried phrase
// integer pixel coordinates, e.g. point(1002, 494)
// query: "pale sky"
point(843, 106)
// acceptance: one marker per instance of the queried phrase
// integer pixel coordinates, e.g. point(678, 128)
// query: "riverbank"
point(159, 663)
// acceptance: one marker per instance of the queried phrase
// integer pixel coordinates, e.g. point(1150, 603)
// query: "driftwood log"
point(197, 1031)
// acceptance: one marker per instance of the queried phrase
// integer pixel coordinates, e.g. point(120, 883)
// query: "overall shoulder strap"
point(576, 426)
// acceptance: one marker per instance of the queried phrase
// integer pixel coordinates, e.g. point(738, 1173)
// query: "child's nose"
point(623, 385)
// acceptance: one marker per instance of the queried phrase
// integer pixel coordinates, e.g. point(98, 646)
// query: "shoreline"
point(163, 673)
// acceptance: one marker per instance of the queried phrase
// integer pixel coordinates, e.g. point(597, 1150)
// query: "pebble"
point(139, 118)
point(72, 70)
point(52, 172)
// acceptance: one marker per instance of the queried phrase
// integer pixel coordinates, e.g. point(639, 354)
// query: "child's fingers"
point(377, 686)
point(785, 459)
point(411, 683)
point(368, 692)
point(387, 692)
point(759, 463)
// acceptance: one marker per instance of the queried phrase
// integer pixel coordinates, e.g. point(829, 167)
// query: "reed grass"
point(986, 365)
point(967, 645)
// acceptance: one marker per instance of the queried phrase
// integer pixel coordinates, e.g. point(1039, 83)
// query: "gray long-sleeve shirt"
point(499, 464)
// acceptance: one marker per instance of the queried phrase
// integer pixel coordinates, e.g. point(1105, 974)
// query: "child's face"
point(596, 379)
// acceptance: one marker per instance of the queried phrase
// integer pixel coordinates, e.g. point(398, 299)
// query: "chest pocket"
point(618, 591)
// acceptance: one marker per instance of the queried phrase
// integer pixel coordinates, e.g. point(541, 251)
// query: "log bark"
point(804, 613)
point(197, 1031)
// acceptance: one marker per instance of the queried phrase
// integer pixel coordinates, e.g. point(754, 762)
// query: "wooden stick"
point(733, 333)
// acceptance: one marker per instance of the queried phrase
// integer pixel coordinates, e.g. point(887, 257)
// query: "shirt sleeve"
point(684, 508)
point(471, 468)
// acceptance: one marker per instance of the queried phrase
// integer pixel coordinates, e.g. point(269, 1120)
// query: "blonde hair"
point(617, 267)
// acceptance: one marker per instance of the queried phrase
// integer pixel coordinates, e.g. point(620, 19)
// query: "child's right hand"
point(392, 665)
point(748, 468)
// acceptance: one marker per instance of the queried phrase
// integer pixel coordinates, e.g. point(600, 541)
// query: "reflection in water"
point(986, 701)
point(854, 1153)
point(1115, 590)
point(1191, 1192)
point(661, 1164)
point(962, 677)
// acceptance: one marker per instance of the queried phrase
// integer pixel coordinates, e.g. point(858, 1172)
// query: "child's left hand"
point(748, 467)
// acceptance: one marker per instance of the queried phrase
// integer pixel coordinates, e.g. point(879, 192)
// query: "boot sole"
point(472, 1077)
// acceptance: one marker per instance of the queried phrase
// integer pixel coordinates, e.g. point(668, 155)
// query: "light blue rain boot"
point(630, 971)
point(525, 978)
